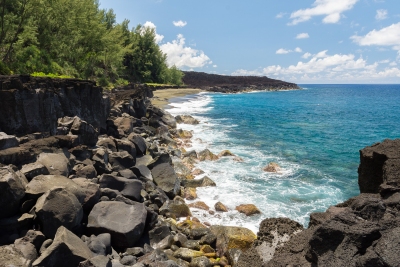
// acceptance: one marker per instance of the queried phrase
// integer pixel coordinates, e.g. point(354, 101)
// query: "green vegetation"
point(50, 75)
point(75, 38)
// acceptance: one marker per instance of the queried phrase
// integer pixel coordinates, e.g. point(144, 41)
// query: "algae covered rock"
point(232, 237)
point(248, 209)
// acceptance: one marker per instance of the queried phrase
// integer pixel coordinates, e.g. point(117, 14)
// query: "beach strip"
point(161, 97)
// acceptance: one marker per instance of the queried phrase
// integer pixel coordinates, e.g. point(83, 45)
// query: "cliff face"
point(32, 104)
point(233, 84)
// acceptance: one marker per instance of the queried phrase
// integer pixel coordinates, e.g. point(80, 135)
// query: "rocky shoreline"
point(100, 179)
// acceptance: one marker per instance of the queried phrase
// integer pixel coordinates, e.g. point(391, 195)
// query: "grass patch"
point(50, 75)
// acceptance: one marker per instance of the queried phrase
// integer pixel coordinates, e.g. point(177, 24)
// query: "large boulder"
point(232, 237)
point(42, 183)
point(85, 131)
point(139, 142)
point(164, 177)
point(177, 208)
point(379, 163)
point(66, 250)
point(248, 209)
point(56, 164)
point(124, 222)
point(91, 191)
point(7, 141)
point(206, 154)
point(194, 183)
point(12, 190)
point(32, 170)
point(128, 187)
point(58, 207)
point(121, 160)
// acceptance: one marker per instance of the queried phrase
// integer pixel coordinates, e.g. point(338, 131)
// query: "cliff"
point(33, 104)
point(233, 84)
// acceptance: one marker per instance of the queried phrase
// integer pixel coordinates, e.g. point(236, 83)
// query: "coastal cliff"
point(76, 191)
point(233, 84)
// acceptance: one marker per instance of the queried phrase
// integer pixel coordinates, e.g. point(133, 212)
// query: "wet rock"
point(187, 119)
point(176, 208)
point(220, 207)
point(272, 167)
point(12, 190)
point(202, 182)
point(58, 207)
point(184, 134)
point(225, 153)
point(206, 155)
point(199, 205)
point(66, 250)
point(190, 193)
point(106, 217)
point(248, 209)
point(56, 164)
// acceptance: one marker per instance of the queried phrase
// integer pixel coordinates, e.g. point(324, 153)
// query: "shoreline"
point(162, 97)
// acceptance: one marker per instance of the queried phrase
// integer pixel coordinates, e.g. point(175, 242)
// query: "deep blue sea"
point(314, 134)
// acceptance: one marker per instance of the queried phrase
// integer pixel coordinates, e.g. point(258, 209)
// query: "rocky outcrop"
point(379, 165)
point(32, 104)
point(233, 84)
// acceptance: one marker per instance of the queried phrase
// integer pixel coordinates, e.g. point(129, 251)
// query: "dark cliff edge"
point(234, 84)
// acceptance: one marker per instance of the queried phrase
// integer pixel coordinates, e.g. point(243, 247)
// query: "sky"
point(300, 41)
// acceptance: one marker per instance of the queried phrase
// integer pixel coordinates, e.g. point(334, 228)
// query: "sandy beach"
point(161, 97)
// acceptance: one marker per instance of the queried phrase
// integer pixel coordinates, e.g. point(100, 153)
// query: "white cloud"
point(280, 15)
point(282, 51)
point(389, 36)
point(303, 35)
point(381, 14)
point(325, 68)
point(182, 56)
point(393, 64)
point(151, 25)
point(215, 66)
point(180, 23)
point(331, 9)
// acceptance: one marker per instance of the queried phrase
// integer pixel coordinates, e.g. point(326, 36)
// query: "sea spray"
point(308, 133)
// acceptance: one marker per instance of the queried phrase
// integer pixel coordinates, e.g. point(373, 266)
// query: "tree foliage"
point(76, 38)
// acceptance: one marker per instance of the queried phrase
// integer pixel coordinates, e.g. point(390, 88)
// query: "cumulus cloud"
point(389, 36)
point(182, 56)
point(331, 9)
point(381, 14)
point(282, 51)
point(303, 35)
point(306, 55)
point(322, 67)
point(151, 25)
point(180, 23)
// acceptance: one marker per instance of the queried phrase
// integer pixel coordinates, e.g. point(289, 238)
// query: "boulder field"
point(89, 178)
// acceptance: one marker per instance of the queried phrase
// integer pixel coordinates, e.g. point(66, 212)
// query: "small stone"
point(272, 167)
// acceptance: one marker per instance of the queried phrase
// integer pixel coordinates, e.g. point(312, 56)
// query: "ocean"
point(314, 134)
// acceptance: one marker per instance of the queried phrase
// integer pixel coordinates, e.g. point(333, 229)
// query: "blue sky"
point(307, 41)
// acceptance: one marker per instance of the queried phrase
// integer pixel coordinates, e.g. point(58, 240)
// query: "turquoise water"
point(314, 134)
